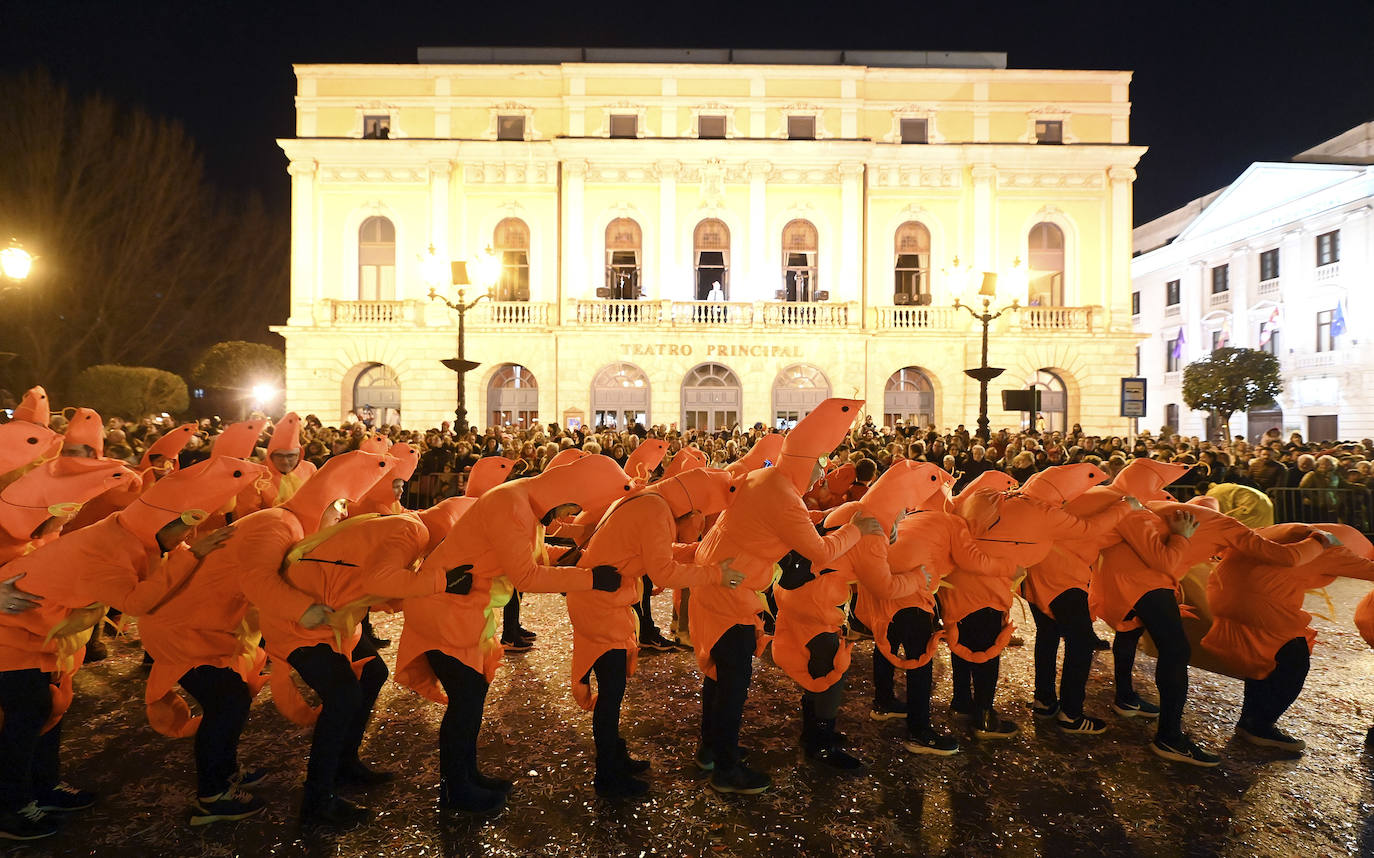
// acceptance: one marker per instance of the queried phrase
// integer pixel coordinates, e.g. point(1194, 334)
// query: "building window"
point(712, 398)
point(624, 249)
point(1269, 340)
point(915, 131)
point(711, 249)
point(1135, 303)
point(1171, 293)
point(511, 241)
point(1218, 339)
point(510, 127)
point(377, 260)
point(1137, 360)
point(1171, 355)
point(1323, 427)
point(1171, 417)
point(1221, 275)
point(1054, 401)
point(801, 128)
point(913, 265)
point(1046, 258)
point(513, 397)
point(799, 265)
point(1269, 265)
point(711, 127)
point(624, 125)
point(1049, 131)
point(376, 127)
point(1325, 341)
point(620, 398)
point(909, 398)
point(797, 390)
point(1329, 247)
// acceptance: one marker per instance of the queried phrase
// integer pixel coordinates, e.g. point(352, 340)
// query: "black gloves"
point(606, 579)
point(459, 580)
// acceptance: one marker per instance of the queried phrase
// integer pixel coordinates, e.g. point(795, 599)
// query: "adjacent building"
point(1281, 260)
point(705, 238)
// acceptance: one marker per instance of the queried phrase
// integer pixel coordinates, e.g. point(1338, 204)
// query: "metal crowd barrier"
point(1352, 505)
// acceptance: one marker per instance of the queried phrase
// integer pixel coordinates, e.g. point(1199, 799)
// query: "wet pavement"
point(1042, 794)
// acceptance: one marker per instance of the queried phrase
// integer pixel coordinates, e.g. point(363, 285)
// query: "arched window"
point(377, 396)
point(909, 397)
point(377, 260)
point(1054, 402)
point(624, 260)
point(711, 397)
point(912, 267)
point(620, 396)
point(711, 252)
point(513, 397)
point(511, 241)
point(799, 265)
point(797, 391)
point(1046, 261)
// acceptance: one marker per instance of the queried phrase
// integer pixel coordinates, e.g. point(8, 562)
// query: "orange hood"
point(1093, 501)
point(981, 509)
point(347, 477)
point(22, 443)
point(762, 454)
point(286, 435)
point(686, 459)
point(34, 407)
point(562, 457)
point(1351, 538)
point(51, 490)
point(375, 443)
point(591, 482)
point(1145, 479)
point(86, 428)
point(902, 487)
point(646, 457)
point(168, 445)
point(1206, 502)
point(704, 490)
point(440, 518)
point(1062, 483)
point(814, 436)
point(487, 474)
point(238, 440)
point(997, 481)
point(406, 460)
point(193, 492)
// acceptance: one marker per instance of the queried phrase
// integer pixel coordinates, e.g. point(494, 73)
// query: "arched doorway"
point(711, 252)
point(513, 397)
point(1054, 402)
point(377, 260)
point(1046, 261)
point(711, 397)
point(511, 238)
point(624, 259)
point(909, 397)
point(797, 391)
point(912, 266)
point(377, 396)
point(800, 243)
point(620, 397)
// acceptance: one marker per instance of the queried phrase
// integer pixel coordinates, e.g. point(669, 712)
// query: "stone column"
point(440, 173)
point(574, 281)
point(984, 220)
point(850, 280)
point(669, 285)
point(1115, 294)
point(761, 280)
point(303, 286)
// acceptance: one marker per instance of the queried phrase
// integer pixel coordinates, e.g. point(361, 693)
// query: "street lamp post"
point(15, 264)
point(984, 373)
point(460, 364)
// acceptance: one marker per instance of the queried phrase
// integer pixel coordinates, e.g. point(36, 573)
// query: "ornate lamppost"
point(15, 264)
point(984, 373)
point(458, 275)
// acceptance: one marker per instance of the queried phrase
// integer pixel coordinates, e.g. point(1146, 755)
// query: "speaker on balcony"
point(923, 299)
point(1021, 400)
point(822, 296)
point(901, 299)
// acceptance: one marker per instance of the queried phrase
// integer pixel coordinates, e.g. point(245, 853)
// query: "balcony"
point(1328, 273)
point(1268, 290)
point(1172, 311)
point(917, 318)
point(1078, 320)
point(510, 314)
point(583, 312)
point(1219, 300)
point(368, 313)
point(1317, 360)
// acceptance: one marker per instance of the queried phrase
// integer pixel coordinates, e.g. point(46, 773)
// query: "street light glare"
point(16, 262)
point(263, 393)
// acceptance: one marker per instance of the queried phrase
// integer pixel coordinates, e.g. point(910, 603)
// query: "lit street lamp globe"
point(16, 262)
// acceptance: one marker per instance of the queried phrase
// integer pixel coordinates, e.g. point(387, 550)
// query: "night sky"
point(1217, 84)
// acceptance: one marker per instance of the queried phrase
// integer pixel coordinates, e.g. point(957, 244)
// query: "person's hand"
point(1331, 539)
point(605, 578)
point(458, 580)
point(1133, 502)
point(1183, 523)
point(211, 541)
point(14, 600)
point(316, 616)
point(729, 575)
point(867, 524)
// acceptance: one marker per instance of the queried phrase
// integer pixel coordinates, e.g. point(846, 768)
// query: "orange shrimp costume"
point(34, 407)
point(646, 458)
point(765, 452)
point(54, 490)
point(381, 499)
point(286, 436)
point(685, 459)
point(23, 445)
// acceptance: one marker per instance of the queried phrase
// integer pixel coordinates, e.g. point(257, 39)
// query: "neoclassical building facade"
point(707, 238)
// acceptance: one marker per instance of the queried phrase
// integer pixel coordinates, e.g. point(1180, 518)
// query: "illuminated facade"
point(705, 238)
point(1279, 260)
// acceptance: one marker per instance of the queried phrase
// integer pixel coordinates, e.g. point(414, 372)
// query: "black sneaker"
point(355, 773)
point(987, 724)
point(333, 811)
point(741, 780)
point(1270, 737)
point(522, 632)
point(95, 651)
point(249, 777)
point(656, 642)
point(26, 823)
point(64, 797)
point(620, 785)
point(517, 645)
point(1184, 750)
point(1082, 724)
point(229, 806)
point(1040, 709)
point(468, 797)
point(706, 758)
point(1134, 707)
point(931, 741)
point(885, 710)
point(962, 708)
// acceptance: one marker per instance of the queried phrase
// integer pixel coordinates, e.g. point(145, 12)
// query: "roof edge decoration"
point(718, 56)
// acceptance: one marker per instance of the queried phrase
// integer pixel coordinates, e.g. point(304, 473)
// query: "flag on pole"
point(1178, 345)
point(1268, 328)
point(1225, 337)
point(1338, 320)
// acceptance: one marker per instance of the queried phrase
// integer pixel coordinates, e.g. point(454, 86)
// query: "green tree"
point(239, 365)
point(1230, 380)
point(130, 392)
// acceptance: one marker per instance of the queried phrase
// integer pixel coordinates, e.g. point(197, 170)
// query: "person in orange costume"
point(205, 639)
point(34, 507)
point(765, 452)
point(160, 458)
point(364, 561)
point(287, 469)
point(34, 407)
point(637, 537)
point(767, 520)
point(930, 542)
point(449, 649)
point(685, 459)
point(812, 605)
point(116, 562)
point(23, 445)
point(384, 498)
point(1020, 528)
point(1260, 631)
point(645, 460)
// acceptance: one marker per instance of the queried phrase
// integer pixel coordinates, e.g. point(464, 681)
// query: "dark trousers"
point(1124, 645)
point(978, 631)
point(467, 696)
point(823, 648)
point(722, 698)
point(1073, 622)
point(224, 701)
point(908, 635)
point(347, 702)
point(1158, 611)
point(28, 761)
point(610, 670)
point(510, 618)
point(1268, 698)
point(647, 628)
